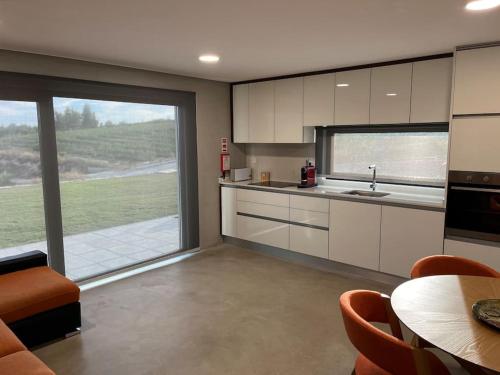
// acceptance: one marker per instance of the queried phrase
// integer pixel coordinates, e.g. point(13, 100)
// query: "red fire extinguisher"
point(225, 162)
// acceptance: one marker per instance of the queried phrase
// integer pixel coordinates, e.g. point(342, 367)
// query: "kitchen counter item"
point(274, 184)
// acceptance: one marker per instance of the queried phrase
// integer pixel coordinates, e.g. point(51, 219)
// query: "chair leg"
point(353, 372)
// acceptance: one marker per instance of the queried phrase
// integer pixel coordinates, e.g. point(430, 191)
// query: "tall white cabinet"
point(319, 99)
point(431, 90)
point(355, 233)
point(408, 235)
point(477, 81)
point(261, 112)
point(352, 97)
point(240, 113)
point(390, 94)
point(289, 107)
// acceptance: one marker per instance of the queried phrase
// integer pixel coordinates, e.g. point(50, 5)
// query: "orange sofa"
point(15, 357)
point(37, 305)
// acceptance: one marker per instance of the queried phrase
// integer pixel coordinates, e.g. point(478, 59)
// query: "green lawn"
point(87, 206)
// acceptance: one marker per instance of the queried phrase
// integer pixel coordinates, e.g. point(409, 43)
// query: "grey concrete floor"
point(223, 311)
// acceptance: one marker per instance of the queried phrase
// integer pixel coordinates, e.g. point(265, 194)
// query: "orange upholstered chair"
point(450, 265)
point(380, 352)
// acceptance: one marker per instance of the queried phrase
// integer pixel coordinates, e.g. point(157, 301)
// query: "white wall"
point(282, 160)
point(212, 117)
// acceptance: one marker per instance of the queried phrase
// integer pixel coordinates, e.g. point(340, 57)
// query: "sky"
point(25, 112)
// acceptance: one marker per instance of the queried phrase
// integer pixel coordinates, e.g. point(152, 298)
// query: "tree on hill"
point(89, 119)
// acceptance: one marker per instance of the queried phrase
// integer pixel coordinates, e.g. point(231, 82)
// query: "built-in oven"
point(473, 205)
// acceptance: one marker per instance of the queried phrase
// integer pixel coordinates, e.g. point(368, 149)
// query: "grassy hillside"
point(80, 150)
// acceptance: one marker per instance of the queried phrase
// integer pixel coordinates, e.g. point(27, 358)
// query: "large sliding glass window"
point(22, 221)
point(99, 176)
point(118, 181)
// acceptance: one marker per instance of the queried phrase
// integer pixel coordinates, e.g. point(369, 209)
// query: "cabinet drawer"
point(310, 203)
point(315, 218)
point(309, 241)
point(264, 197)
point(262, 231)
point(266, 210)
point(489, 255)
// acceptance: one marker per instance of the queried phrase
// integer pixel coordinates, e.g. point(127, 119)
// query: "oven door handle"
point(485, 190)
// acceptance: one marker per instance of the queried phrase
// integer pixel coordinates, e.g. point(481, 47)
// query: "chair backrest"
point(450, 265)
point(360, 308)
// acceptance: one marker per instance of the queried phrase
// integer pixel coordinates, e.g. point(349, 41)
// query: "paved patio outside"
point(91, 253)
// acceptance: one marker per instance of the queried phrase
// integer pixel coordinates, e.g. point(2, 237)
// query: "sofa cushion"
point(32, 291)
point(9, 343)
point(23, 363)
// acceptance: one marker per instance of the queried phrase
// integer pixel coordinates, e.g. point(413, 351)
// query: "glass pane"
point(418, 157)
point(118, 172)
point(22, 221)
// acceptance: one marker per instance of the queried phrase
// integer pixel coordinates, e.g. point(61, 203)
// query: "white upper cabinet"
point(240, 113)
point(475, 144)
point(477, 81)
point(408, 235)
point(289, 106)
point(261, 112)
point(355, 233)
point(352, 97)
point(431, 90)
point(390, 94)
point(319, 99)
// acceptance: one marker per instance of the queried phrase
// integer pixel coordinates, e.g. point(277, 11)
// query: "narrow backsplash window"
point(400, 156)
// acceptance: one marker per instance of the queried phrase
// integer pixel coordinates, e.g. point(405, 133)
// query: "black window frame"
point(42, 89)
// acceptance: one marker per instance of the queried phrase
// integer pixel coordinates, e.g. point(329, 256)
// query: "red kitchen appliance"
point(308, 175)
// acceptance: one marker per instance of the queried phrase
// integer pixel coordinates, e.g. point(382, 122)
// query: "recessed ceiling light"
point(482, 4)
point(209, 58)
point(391, 94)
point(342, 84)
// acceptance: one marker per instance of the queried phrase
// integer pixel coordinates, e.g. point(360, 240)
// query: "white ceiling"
point(255, 38)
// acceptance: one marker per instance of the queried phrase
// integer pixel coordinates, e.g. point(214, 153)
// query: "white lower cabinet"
point(355, 233)
point(228, 211)
point(489, 255)
point(267, 232)
point(310, 241)
point(408, 235)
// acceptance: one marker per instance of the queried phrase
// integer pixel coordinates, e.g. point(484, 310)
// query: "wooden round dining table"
point(438, 309)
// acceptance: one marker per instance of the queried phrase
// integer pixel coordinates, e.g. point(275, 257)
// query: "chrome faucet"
point(373, 185)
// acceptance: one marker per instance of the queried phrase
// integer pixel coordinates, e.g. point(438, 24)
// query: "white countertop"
point(423, 197)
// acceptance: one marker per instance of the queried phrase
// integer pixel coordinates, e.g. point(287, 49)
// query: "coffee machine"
point(308, 175)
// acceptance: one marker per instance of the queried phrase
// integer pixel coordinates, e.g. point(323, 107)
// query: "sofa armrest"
point(22, 261)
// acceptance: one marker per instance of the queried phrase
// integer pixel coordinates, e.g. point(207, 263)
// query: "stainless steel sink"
point(366, 193)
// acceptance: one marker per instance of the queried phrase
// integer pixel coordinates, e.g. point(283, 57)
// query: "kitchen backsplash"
point(282, 160)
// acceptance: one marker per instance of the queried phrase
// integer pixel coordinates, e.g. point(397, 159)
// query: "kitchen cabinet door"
point(264, 231)
point(431, 90)
point(477, 81)
point(352, 97)
point(310, 241)
point(390, 94)
point(408, 235)
point(319, 99)
point(355, 233)
point(261, 112)
point(228, 211)
point(482, 253)
point(240, 113)
point(475, 144)
point(289, 100)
